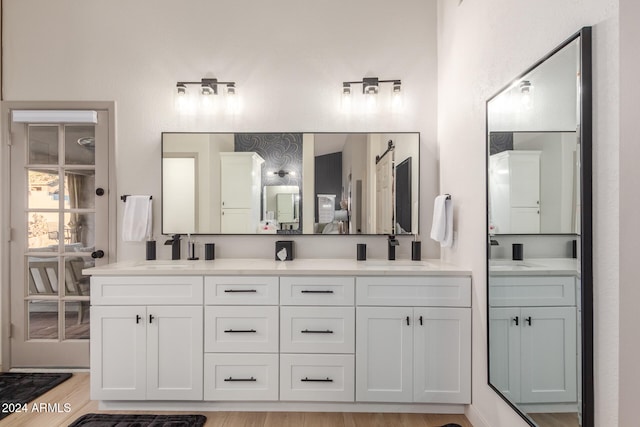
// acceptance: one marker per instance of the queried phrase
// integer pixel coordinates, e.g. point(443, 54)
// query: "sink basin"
point(397, 263)
point(165, 264)
point(509, 265)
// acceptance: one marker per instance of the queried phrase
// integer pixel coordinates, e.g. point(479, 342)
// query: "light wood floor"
point(75, 392)
point(566, 419)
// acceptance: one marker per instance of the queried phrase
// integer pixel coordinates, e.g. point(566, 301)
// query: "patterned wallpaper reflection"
point(280, 151)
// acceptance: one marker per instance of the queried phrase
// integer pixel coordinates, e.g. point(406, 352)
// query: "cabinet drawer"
point(146, 290)
point(240, 377)
point(241, 329)
point(317, 329)
point(505, 291)
point(328, 377)
point(317, 290)
point(241, 290)
point(447, 291)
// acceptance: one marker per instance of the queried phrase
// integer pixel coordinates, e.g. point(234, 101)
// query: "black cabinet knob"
point(99, 191)
point(97, 254)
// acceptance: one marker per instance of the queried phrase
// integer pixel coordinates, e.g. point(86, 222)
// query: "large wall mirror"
point(290, 183)
point(539, 239)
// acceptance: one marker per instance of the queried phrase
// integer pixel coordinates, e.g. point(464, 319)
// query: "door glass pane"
point(76, 320)
point(43, 145)
point(80, 227)
point(76, 283)
point(43, 275)
point(44, 233)
point(43, 319)
point(79, 145)
point(79, 189)
point(43, 189)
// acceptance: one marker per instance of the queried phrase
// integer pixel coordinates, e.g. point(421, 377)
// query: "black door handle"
point(240, 379)
point(97, 254)
point(317, 380)
point(315, 292)
point(407, 320)
point(138, 318)
point(232, 331)
point(239, 290)
point(307, 331)
point(420, 320)
point(528, 320)
point(516, 320)
point(99, 191)
point(151, 318)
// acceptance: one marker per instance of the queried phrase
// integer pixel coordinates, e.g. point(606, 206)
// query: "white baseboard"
point(474, 417)
point(254, 406)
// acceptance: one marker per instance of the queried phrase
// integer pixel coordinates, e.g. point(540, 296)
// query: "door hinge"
point(9, 234)
point(11, 330)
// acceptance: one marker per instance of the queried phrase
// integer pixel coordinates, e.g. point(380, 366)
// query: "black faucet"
point(494, 242)
point(175, 246)
point(393, 242)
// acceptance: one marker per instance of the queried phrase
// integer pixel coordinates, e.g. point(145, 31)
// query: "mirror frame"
point(586, 215)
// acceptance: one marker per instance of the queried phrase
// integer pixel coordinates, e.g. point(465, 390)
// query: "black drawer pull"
point(240, 290)
point(231, 379)
point(317, 380)
point(307, 331)
point(231, 331)
point(304, 291)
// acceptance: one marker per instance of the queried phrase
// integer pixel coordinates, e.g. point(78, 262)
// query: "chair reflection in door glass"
point(43, 313)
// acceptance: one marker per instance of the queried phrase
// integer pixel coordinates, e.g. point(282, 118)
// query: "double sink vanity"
point(308, 334)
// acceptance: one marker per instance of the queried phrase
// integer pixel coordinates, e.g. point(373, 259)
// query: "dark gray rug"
point(129, 420)
point(20, 388)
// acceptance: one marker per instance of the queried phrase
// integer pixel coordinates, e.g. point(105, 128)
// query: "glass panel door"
point(58, 231)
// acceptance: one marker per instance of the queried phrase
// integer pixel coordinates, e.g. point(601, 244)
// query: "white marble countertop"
point(249, 266)
point(535, 267)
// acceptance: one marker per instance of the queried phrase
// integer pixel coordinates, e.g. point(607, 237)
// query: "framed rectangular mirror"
point(539, 239)
point(290, 183)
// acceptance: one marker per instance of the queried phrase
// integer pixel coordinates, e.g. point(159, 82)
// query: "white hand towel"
point(448, 234)
point(439, 225)
point(137, 219)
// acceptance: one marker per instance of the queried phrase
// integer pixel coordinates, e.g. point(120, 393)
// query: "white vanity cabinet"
point(317, 338)
point(146, 338)
point(533, 327)
point(241, 338)
point(413, 339)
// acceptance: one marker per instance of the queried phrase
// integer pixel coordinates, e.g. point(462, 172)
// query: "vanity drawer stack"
point(241, 338)
point(317, 338)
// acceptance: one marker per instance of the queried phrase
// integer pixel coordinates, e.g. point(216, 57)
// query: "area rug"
point(20, 388)
point(129, 420)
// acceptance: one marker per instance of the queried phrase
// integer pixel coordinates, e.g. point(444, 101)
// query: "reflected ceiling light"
point(208, 86)
point(371, 85)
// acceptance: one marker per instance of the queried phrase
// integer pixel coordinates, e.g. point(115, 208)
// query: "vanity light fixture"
point(208, 86)
point(281, 173)
point(371, 85)
point(525, 89)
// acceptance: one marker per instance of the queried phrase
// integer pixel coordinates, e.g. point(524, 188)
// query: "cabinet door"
point(549, 354)
point(238, 221)
point(174, 352)
point(237, 178)
point(118, 353)
point(504, 361)
point(442, 355)
point(525, 179)
point(525, 220)
point(384, 354)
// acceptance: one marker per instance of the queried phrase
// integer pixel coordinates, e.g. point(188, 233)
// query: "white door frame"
point(5, 179)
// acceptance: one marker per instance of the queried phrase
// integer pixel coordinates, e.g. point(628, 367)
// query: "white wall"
point(482, 45)
point(629, 210)
point(288, 57)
